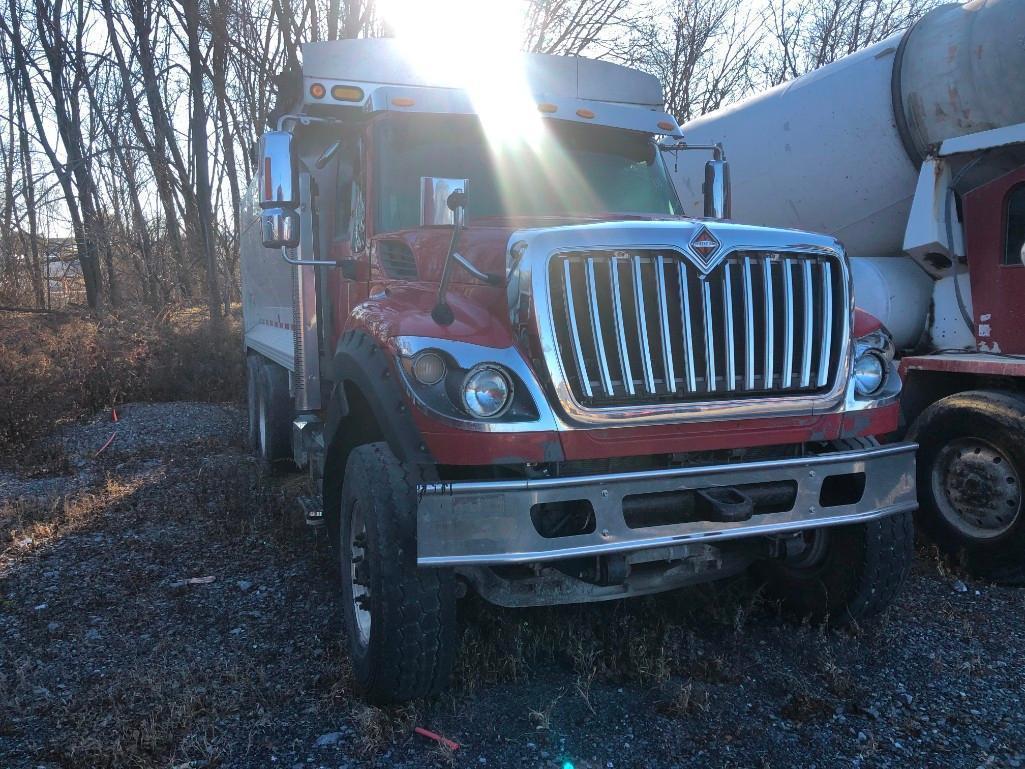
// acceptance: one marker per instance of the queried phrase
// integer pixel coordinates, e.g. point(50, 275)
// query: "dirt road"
point(161, 606)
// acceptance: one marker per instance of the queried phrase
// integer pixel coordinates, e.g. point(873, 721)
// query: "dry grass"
point(55, 369)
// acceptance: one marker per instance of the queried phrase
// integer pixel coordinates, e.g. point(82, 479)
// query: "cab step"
point(313, 510)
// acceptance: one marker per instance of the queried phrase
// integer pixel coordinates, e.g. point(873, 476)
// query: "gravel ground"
point(110, 656)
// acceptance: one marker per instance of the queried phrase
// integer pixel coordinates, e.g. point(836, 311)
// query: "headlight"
point(869, 373)
point(486, 391)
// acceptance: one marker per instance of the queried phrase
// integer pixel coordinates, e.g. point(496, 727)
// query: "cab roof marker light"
point(665, 125)
point(585, 113)
point(402, 101)
point(346, 93)
point(547, 107)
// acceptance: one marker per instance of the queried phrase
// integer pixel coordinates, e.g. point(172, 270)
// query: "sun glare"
point(475, 46)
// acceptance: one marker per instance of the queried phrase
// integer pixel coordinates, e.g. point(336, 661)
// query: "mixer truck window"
point(1014, 245)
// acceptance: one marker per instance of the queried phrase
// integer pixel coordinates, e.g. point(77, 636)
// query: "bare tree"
point(573, 27)
point(810, 34)
point(702, 52)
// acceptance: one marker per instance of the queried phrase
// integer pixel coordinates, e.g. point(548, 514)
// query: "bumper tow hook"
point(725, 503)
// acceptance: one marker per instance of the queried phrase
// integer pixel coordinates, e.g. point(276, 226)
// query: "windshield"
point(568, 170)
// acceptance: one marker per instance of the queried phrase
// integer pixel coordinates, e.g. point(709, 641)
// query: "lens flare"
point(475, 46)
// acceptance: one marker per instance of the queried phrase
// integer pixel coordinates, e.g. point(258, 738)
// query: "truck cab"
point(513, 364)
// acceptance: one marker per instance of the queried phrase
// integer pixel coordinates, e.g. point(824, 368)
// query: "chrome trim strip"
point(749, 328)
point(477, 487)
point(648, 543)
point(770, 330)
point(571, 310)
point(827, 324)
point(642, 325)
point(729, 341)
point(488, 522)
point(599, 337)
point(688, 332)
point(788, 329)
point(663, 313)
point(467, 355)
point(617, 302)
point(706, 306)
point(808, 324)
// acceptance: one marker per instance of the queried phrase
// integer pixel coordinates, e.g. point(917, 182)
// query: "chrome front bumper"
point(488, 522)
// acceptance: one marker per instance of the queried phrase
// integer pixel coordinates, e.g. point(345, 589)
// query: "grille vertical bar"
point(688, 331)
point(769, 332)
point(758, 325)
point(749, 327)
point(706, 306)
point(571, 310)
point(788, 326)
point(809, 324)
point(827, 324)
point(730, 340)
point(663, 316)
point(642, 325)
point(596, 331)
point(617, 303)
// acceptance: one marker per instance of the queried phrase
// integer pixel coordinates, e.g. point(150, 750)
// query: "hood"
point(490, 243)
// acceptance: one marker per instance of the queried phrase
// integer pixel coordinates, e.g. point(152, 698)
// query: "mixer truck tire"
point(845, 573)
point(400, 619)
point(971, 465)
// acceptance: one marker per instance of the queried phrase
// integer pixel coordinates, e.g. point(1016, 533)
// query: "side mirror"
point(279, 172)
point(435, 193)
point(718, 199)
point(279, 190)
point(280, 228)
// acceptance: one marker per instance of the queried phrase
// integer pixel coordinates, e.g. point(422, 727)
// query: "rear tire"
point(270, 413)
point(971, 466)
point(400, 619)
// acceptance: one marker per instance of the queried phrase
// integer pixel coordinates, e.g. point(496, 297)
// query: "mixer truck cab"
point(912, 152)
point(512, 363)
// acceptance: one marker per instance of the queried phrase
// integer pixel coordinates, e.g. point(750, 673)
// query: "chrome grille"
point(644, 326)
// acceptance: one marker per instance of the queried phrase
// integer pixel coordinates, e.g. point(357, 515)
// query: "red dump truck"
point(912, 152)
point(513, 363)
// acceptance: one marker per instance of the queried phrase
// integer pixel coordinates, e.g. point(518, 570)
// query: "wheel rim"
point(261, 410)
point(816, 545)
point(358, 575)
point(976, 487)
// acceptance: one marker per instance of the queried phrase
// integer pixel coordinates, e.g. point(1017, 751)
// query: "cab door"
point(994, 216)
point(348, 239)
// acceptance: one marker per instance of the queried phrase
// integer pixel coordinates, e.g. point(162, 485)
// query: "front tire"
point(400, 619)
point(971, 466)
point(847, 573)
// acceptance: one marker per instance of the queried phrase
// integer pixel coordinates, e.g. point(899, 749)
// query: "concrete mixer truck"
point(912, 153)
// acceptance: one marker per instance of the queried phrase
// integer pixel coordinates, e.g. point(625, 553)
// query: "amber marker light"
point(403, 101)
point(347, 93)
point(585, 113)
point(665, 125)
point(547, 108)
point(317, 90)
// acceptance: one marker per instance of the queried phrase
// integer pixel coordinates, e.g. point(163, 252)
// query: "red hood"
point(484, 241)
